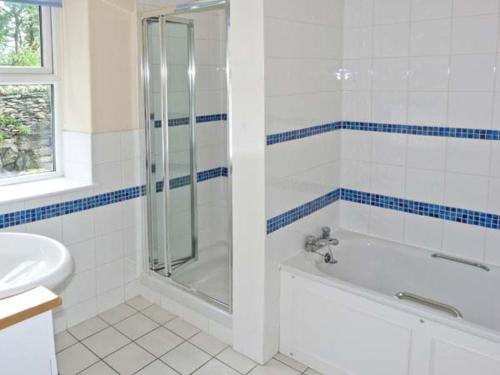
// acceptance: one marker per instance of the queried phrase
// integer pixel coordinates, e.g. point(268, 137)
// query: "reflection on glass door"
point(171, 177)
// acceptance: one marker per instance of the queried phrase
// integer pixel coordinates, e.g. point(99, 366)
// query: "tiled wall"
point(430, 63)
point(106, 241)
point(303, 46)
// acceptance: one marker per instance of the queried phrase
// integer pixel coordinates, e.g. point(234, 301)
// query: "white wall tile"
point(388, 180)
point(358, 74)
point(387, 224)
point(430, 38)
point(107, 218)
point(391, 11)
point(391, 40)
point(77, 227)
point(427, 108)
point(354, 216)
point(473, 72)
point(356, 145)
point(425, 186)
point(50, 227)
point(109, 247)
point(389, 148)
point(358, 13)
point(83, 254)
point(466, 191)
point(475, 34)
point(427, 152)
point(355, 175)
point(437, 70)
point(468, 156)
point(464, 240)
point(429, 9)
point(423, 232)
point(390, 74)
point(389, 107)
point(357, 43)
point(80, 288)
point(470, 110)
point(357, 106)
point(109, 276)
point(469, 8)
point(494, 196)
point(429, 73)
point(492, 247)
point(106, 147)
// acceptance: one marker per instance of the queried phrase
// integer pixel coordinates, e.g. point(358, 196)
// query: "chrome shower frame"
point(169, 14)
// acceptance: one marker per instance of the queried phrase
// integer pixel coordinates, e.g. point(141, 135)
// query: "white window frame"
point(45, 75)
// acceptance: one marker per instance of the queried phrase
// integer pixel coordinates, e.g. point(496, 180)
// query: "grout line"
point(155, 357)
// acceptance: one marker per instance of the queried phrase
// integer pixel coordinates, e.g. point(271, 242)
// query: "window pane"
point(20, 35)
point(26, 130)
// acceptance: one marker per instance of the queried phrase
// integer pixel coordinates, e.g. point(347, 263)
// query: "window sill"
point(39, 189)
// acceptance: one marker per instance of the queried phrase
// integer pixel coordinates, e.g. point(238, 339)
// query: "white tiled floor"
point(143, 339)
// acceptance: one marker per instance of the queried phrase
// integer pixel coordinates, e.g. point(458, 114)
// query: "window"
point(27, 92)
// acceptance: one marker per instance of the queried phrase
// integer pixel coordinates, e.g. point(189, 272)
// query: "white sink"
point(30, 260)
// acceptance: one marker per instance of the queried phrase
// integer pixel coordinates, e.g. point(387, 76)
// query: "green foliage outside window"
point(20, 35)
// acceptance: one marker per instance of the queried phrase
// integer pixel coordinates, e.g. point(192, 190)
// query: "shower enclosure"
point(188, 184)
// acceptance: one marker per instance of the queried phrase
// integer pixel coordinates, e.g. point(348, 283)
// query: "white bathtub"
point(344, 318)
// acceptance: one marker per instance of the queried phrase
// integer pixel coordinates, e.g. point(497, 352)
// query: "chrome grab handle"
point(460, 260)
point(429, 303)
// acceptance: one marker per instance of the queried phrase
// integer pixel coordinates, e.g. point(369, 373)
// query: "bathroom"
point(249, 187)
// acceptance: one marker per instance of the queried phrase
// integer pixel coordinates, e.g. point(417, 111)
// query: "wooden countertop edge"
point(26, 305)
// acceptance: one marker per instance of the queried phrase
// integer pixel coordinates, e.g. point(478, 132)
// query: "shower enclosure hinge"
point(153, 168)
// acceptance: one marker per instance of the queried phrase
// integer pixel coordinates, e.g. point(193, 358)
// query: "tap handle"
point(326, 232)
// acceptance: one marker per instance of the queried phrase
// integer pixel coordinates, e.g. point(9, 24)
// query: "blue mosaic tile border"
point(430, 131)
point(304, 210)
point(64, 208)
point(199, 120)
point(302, 133)
point(458, 215)
point(186, 180)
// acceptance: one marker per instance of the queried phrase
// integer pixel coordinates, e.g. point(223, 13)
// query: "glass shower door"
point(169, 84)
point(181, 154)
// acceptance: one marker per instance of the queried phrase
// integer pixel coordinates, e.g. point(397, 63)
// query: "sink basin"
point(30, 260)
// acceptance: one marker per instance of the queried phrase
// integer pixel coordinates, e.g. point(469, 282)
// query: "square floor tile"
point(139, 303)
point(106, 342)
point(215, 367)
point(118, 313)
point(87, 328)
point(159, 341)
point(236, 360)
point(182, 328)
point(208, 343)
point(136, 326)
point(274, 367)
point(158, 314)
point(129, 359)
point(186, 358)
point(157, 368)
point(75, 359)
point(100, 368)
point(290, 362)
point(64, 340)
